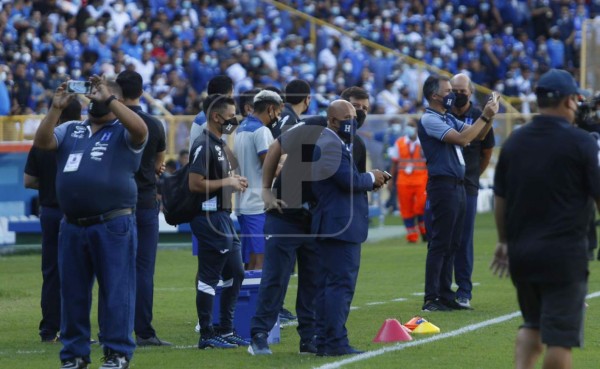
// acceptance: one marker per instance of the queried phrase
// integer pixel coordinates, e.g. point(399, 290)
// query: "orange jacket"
point(411, 168)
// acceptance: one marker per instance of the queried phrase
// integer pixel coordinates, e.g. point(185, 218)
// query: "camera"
point(79, 87)
point(586, 115)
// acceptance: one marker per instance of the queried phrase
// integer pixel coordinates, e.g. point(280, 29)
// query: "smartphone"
point(495, 96)
point(388, 175)
point(79, 87)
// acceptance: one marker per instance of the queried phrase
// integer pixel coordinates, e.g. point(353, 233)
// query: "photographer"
point(588, 119)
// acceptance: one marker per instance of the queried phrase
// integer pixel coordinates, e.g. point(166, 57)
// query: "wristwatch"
point(109, 100)
point(483, 118)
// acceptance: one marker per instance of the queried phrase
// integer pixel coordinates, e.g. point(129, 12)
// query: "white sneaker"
point(464, 302)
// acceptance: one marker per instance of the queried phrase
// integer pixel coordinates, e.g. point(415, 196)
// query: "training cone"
point(414, 323)
point(392, 331)
point(425, 328)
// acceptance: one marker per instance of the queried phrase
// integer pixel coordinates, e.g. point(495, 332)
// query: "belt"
point(96, 219)
point(447, 179)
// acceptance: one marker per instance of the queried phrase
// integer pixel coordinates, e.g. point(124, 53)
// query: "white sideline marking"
point(399, 299)
point(401, 346)
point(418, 294)
point(376, 303)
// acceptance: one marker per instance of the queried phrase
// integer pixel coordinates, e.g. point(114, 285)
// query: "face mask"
point(361, 116)
point(448, 101)
point(273, 120)
point(347, 67)
point(98, 109)
point(410, 131)
point(461, 100)
point(229, 126)
point(186, 24)
point(3, 76)
point(61, 70)
point(347, 128)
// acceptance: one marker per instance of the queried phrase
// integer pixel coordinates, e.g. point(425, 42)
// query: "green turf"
point(390, 270)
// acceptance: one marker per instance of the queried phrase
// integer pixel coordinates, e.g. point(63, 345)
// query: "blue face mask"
point(449, 100)
point(348, 128)
point(409, 131)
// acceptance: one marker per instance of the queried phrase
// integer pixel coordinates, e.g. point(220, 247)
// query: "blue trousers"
point(463, 261)
point(280, 255)
point(444, 219)
point(50, 221)
point(147, 231)
point(106, 251)
point(340, 261)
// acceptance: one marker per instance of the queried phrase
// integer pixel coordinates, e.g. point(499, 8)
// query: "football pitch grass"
point(390, 285)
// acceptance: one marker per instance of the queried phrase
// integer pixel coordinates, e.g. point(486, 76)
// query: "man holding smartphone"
point(442, 137)
point(95, 187)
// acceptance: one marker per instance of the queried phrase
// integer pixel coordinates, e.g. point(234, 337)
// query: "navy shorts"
point(555, 309)
point(252, 234)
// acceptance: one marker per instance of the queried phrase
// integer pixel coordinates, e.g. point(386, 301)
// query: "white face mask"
point(61, 70)
point(2, 76)
point(347, 67)
point(118, 8)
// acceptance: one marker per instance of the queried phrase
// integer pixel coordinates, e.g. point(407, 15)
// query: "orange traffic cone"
point(414, 322)
point(392, 331)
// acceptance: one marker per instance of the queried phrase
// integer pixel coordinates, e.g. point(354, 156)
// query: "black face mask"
point(229, 126)
point(361, 116)
point(461, 100)
point(98, 109)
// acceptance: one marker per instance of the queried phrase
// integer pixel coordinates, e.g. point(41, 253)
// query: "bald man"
point(477, 157)
point(340, 223)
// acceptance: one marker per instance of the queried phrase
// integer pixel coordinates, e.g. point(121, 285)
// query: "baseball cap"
point(556, 83)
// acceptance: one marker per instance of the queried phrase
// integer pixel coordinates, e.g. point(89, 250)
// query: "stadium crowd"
point(177, 46)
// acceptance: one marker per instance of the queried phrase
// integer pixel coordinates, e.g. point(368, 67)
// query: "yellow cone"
point(425, 328)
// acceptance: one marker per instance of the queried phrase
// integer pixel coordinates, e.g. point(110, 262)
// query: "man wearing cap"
point(442, 137)
point(252, 142)
point(542, 206)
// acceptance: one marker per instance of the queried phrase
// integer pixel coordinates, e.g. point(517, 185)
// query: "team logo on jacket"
point(79, 132)
point(98, 151)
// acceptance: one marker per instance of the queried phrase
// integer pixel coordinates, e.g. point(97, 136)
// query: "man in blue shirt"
point(442, 138)
point(95, 186)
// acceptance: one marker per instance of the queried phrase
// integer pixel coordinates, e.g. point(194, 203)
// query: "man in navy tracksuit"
point(96, 161)
point(146, 210)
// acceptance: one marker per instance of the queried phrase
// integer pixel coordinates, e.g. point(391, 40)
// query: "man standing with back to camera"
point(146, 210)
point(442, 137)
point(477, 157)
point(543, 199)
point(95, 186)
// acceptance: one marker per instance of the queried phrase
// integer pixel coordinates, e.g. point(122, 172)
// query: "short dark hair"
point(114, 88)
point(296, 91)
point(71, 112)
point(221, 84)
point(356, 92)
point(432, 85)
point(545, 101)
point(131, 84)
point(247, 98)
point(216, 102)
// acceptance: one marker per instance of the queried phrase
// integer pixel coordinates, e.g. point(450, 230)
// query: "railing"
point(21, 128)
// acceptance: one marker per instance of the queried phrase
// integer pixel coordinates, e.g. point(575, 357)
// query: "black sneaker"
point(76, 363)
point(286, 316)
point(259, 345)
point(114, 360)
point(235, 339)
point(214, 341)
point(308, 346)
point(453, 305)
point(152, 341)
point(341, 352)
point(435, 305)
